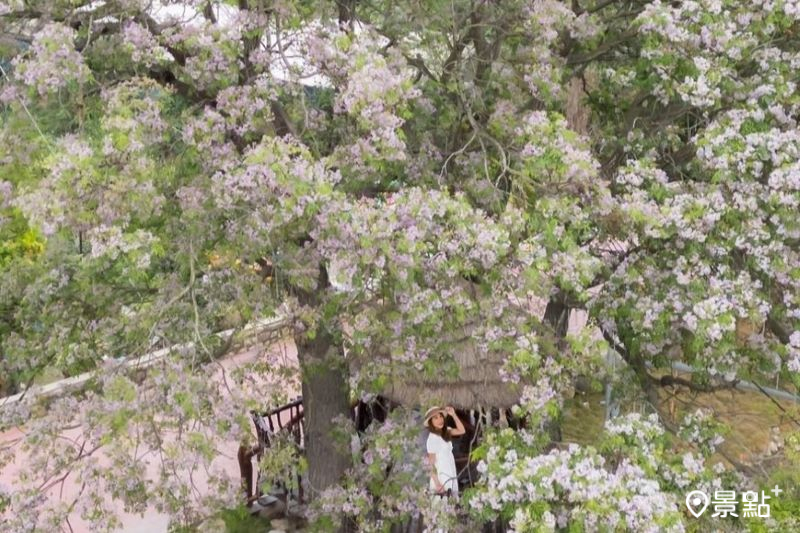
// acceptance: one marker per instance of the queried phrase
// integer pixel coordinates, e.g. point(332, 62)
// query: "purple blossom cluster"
point(245, 108)
point(543, 73)
point(10, 93)
point(413, 225)
point(213, 52)
point(377, 89)
point(701, 429)
point(578, 488)
point(47, 204)
point(111, 242)
point(6, 194)
point(207, 134)
point(794, 352)
point(546, 134)
point(133, 123)
point(749, 152)
point(52, 63)
point(275, 173)
point(143, 45)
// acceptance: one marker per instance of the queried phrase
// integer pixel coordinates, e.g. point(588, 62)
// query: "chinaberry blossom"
point(435, 183)
point(378, 88)
point(133, 123)
point(6, 190)
point(576, 482)
point(53, 63)
point(143, 45)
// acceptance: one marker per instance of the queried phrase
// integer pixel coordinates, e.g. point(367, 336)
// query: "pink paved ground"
point(152, 521)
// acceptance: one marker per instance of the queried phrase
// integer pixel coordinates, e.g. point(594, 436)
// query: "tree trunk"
point(325, 397)
point(556, 315)
point(347, 14)
point(648, 384)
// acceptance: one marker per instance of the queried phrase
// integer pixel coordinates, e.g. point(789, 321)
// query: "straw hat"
point(433, 411)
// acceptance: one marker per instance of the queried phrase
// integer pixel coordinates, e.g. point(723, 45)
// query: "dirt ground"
point(756, 423)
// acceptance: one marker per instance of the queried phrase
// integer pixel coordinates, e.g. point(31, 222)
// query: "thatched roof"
point(478, 385)
point(478, 382)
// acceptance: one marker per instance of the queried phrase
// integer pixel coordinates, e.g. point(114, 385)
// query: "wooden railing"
point(275, 423)
point(289, 419)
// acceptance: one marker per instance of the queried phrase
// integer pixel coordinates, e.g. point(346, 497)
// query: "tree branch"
point(778, 329)
point(773, 400)
point(671, 381)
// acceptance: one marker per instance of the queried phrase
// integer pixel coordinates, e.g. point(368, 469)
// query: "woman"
point(444, 477)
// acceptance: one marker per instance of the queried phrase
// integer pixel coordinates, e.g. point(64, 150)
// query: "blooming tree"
point(384, 174)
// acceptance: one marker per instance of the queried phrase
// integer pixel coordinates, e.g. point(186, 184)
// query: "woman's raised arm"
point(459, 429)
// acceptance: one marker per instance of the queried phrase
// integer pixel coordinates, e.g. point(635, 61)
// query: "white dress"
point(445, 463)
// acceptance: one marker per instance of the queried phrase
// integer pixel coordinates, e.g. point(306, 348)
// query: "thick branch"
point(208, 12)
point(647, 382)
point(778, 329)
point(605, 48)
point(671, 381)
